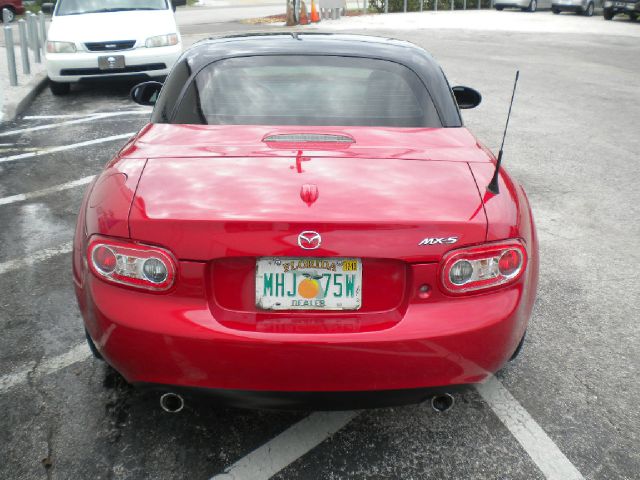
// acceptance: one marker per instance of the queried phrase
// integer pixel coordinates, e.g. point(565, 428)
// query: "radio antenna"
point(493, 184)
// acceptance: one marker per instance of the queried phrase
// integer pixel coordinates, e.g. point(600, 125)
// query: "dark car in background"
point(616, 7)
point(15, 7)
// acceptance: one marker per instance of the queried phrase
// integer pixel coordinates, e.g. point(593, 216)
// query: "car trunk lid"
point(205, 208)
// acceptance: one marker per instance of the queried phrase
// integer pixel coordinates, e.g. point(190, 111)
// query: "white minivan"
point(105, 39)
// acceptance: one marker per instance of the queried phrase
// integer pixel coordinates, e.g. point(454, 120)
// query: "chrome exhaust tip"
point(171, 402)
point(442, 402)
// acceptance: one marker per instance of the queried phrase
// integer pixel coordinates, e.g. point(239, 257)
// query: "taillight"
point(484, 266)
point(132, 264)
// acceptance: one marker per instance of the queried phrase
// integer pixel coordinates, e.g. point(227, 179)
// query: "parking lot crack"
point(44, 399)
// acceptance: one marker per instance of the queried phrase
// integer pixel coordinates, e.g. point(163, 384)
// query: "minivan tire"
point(533, 6)
point(608, 14)
point(556, 11)
point(59, 88)
point(589, 11)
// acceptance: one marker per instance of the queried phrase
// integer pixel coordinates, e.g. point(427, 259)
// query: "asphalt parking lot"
point(566, 408)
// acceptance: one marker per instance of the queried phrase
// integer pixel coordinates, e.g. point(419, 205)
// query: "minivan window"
point(78, 7)
point(307, 90)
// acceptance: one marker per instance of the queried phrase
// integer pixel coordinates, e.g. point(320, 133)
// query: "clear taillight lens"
point(484, 266)
point(131, 264)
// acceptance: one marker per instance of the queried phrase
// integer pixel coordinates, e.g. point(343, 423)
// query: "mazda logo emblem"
point(309, 240)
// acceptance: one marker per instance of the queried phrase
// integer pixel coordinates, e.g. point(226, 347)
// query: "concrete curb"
point(12, 108)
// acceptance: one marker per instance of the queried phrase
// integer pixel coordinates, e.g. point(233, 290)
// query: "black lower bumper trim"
point(149, 67)
point(266, 400)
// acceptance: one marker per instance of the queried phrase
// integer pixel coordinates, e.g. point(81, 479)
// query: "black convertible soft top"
point(213, 50)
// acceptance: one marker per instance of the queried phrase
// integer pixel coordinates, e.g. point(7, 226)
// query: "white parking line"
point(35, 257)
point(21, 197)
point(305, 435)
point(47, 151)
point(82, 115)
point(77, 354)
point(90, 118)
point(294, 442)
point(542, 450)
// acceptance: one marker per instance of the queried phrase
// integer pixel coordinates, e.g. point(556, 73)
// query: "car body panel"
point(220, 197)
point(521, 3)
point(264, 215)
point(578, 6)
point(16, 5)
point(175, 340)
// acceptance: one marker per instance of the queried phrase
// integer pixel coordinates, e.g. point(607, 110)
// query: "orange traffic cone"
point(315, 16)
point(304, 17)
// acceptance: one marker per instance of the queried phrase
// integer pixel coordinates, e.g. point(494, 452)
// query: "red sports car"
point(305, 223)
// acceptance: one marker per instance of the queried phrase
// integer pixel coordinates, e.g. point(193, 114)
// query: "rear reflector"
point(482, 267)
point(131, 264)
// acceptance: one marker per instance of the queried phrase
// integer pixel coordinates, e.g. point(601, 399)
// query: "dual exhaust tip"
point(174, 403)
point(171, 402)
point(442, 402)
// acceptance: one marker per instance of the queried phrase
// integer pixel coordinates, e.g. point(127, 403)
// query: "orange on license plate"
point(308, 283)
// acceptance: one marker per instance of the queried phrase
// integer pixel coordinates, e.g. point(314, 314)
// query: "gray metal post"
point(421, 2)
point(24, 47)
point(479, 4)
point(452, 4)
point(42, 22)
point(435, 6)
point(386, 6)
point(11, 56)
point(464, 5)
point(33, 34)
point(405, 6)
point(364, 7)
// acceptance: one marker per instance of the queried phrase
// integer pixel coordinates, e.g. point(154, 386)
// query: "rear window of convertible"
point(307, 90)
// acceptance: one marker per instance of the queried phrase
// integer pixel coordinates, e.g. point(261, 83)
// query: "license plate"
point(111, 62)
point(620, 4)
point(285, 283)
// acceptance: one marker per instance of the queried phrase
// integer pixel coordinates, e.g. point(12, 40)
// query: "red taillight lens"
point(510, 262)
point(484, 266)
point(132, 264)
point(104, 259)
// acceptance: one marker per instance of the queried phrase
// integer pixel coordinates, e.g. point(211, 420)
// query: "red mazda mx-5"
point(305, 222)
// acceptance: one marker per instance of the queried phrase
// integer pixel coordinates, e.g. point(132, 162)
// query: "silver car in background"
point(581, 7)
point(524, 5)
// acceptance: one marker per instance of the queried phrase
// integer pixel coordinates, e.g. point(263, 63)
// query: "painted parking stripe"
point(82, 115)
point(542, 450)
point(47, 151)
point(35, 257)
point(90, 118)
point(33, 370)
point(21, 197)
point(305, 435)
point(294, 442)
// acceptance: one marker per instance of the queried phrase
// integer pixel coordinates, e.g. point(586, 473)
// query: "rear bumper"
point(626, 8)
point(513, 4)
point(140, 62)
point(567, 8)
point(174, 340)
